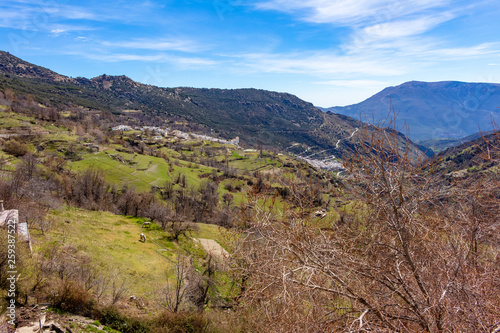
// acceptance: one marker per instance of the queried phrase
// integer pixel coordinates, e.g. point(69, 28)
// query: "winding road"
point(352, 134)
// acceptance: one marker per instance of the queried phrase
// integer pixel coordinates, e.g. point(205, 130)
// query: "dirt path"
point(352, 134)
point(213, 248)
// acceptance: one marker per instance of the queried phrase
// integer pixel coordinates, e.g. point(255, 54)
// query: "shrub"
point(112, 318)
point(181, 322)
point(15, 148)
point(73, 298)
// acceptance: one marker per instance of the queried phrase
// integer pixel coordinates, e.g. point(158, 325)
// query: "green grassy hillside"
point(112, 242)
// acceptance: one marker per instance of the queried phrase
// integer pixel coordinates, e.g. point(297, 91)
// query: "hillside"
point(290, 230)
point(85, 194)
point(438, 145)
point(472, 158)
point(275, 120)
point(433, 110)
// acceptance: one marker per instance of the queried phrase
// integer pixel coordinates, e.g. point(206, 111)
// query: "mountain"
point(448, 109)
point(273, 119)
point(438, 145)
point(472, 158)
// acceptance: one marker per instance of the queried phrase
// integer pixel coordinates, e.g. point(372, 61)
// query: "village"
point(160, 133)
point(329, 164)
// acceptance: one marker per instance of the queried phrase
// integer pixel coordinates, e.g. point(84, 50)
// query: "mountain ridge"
point(444, 109)
point(273, 119)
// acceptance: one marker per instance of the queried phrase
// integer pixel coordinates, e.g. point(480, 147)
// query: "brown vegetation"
point(415, 254)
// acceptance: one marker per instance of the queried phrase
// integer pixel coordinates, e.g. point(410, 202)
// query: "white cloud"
point(57, 31)
point(68, 12)
point(318, 64)
point(376, 65)
point(480, 50)
point(349, 12)
point(388, 37)
point(157, 45)
point(354, 83)
point(157, 58)
point(405, 28)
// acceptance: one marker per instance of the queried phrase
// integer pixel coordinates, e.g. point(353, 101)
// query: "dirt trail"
point(213, 248)
point(352, 134)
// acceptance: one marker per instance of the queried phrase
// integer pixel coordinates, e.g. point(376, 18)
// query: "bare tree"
point(200, 285)
point(175, 292)
point(118, 286)
point(177, 227)
point(101, 286)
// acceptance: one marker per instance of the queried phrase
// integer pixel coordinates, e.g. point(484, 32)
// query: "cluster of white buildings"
point(163, 132)
point(327, 164)
point(122, 128)
point(157, 130)
point(234, 141)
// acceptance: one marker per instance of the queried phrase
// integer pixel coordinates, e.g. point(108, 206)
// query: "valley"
point(212, 210)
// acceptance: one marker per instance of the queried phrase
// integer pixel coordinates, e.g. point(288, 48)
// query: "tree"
point(168, 189)
point(228, 198)
point(28, 166)
point(175, 293)
point(90, 190)
point(177, 228)
point(118, 286)
point(200, 285)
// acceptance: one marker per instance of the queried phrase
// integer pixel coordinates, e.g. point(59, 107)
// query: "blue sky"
point(328, 52)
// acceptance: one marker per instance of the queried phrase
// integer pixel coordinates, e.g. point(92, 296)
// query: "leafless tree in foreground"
point(175, 292)
point(416, 254)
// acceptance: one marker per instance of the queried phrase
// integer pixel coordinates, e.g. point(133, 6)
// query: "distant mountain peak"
point(445, 109)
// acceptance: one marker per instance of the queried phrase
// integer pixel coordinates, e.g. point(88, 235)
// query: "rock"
point(53, 327)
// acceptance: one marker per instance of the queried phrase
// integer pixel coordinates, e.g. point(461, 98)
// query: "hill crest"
point(277, 120)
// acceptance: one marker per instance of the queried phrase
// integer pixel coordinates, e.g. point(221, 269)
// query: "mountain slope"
point(438, 145)
point(433, 110)
point(274, 119)
point(473, 158)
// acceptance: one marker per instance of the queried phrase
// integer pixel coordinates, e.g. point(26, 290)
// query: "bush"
point(73, 298)
point(111, 317)
point(181, 322)
point(15, 148)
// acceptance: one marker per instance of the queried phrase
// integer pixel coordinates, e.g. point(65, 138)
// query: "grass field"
point(140, 171)
point(112, 243)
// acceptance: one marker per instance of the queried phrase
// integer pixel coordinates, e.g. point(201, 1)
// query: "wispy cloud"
point(348, 12)
point(58, 29)
point(387, 37)
point(317, 64)
point(43, 16)
point(405, 28)
point(178, 44)
point(480, 50)
point(39, 12)
point(354, 83)
point(397, 59)
point(178, 61)
point(39, 15)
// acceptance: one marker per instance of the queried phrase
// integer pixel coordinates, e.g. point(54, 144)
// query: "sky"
point(327, 52)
